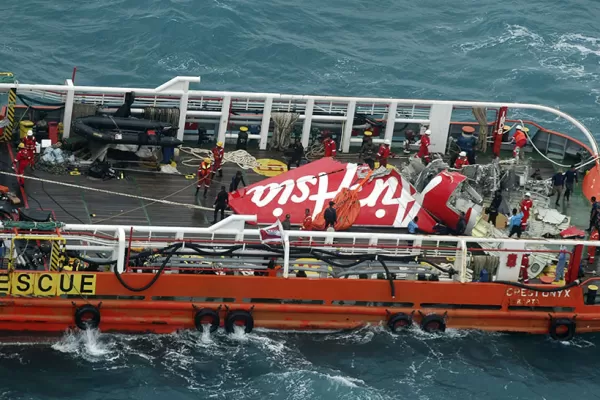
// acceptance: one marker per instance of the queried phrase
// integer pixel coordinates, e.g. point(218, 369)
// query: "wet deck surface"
point(72, 205)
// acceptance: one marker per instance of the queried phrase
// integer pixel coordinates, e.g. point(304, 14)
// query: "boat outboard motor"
point(125, 110)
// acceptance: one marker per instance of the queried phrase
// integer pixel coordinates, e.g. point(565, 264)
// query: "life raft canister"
point(562, 329)
point(239, 318)
point(433, 323)
point(207, 316)
point(87, 317)
point(399, 322)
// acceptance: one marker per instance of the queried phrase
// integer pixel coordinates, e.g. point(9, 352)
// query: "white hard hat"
point(462, 154)
point(528, 194)
point(519, 127)
point(428, 132)
point(386, 141)
point(30, 133)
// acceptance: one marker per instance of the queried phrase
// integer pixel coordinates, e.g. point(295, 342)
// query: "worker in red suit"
point(524, 265)
point(218, 153)
point(384, 153)
point(307, 222)
point(526, 205)
point(21, 162)
point(462, 160)
point(520, 140)
point(204, 176)
point(30, 145)
point(424, 147)
point(330, 147)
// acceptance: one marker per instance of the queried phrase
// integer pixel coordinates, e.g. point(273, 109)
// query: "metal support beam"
point(68, 109)
point(391, 121)
point(224, 119)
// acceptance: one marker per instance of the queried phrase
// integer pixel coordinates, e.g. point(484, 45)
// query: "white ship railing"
point(114, 240)
point(196, 104)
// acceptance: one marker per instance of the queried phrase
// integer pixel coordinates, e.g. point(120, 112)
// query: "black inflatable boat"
point(115, 130)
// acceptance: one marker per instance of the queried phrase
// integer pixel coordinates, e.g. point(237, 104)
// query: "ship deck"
point(72, 205)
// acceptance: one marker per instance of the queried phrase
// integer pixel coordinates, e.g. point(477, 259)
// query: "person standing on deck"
point(424, 147)
point(525, 206)
point(384, 153)
point(30, 145)
point(520, 140)
point(524, 268)
point(297, 154)
point(330, 147)
point(461, 225)
point(287, 223)
point(367, 153)
point(307, 222)
point(570, 181)
point(21, 162)
point(242, 139)
point(218, 154)
point(330, 216)
point(593, 213)
point(560, 264)
point(235, 182)
point(204, 176)
point(514, 223)
point(461, 161)
point(413, 226)
point(494, 207)
point(367, 137)
point(221, 203)
point(467, 142)
point(558, 183)
point(409, 136)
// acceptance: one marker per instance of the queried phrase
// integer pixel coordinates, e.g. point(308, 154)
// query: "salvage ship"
point(159, 266)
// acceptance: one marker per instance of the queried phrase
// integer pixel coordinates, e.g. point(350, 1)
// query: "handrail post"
point(391, 121)
point(461, 260)
point(68, 113)
point(224, 121)
point(347, 133)
point(183, 105)
point(265, 124)
point(286, 255)
point(308, 113)
point(120, 233)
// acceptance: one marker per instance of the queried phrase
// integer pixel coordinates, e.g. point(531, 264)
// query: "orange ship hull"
point(293, 304)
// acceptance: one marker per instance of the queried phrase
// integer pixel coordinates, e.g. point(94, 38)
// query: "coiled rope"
point(242, 158)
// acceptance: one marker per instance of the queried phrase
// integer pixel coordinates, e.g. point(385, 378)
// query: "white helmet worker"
point(428, 132)
point(527, 194)
point(30, 133)
point(386, 142)
point(462, 154)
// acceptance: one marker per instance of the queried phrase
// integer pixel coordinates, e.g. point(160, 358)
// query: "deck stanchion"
point(391, 121)
point(286, 255)
point(265, 123)
point(224, 119)
point(347, 133)
point(183, 106)
point(129, 249)
point(308, 112)
point(68, 113)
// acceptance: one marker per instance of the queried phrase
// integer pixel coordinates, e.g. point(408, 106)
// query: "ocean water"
point(535, 51)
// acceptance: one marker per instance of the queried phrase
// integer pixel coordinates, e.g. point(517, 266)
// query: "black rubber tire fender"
point(557, 331)
point(205, 315)
point(87, 317)
point(433, 323)
point(239, 318)
point(399, 322)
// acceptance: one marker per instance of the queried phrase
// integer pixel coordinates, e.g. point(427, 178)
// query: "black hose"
point(539, 289)
point(389, 278)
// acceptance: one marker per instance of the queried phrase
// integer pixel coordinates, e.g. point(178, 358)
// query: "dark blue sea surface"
point(539, 51)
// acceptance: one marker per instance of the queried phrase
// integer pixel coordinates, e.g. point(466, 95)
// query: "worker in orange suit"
point(30, 145)
point(218, 154)
point(524, 265)
point(330, 147)
point(526, 205)
point(21, 162)
point(384, 153)
point(520, 140)
point(462, 160)
point(205, 172)
point(424, 147)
